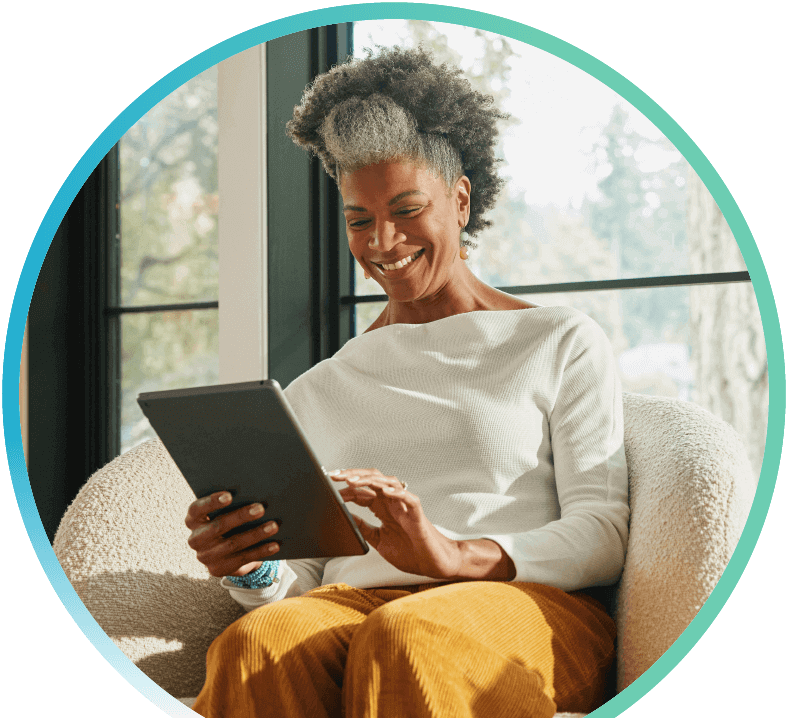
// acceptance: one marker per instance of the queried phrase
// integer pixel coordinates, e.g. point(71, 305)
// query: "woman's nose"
point(385, 236)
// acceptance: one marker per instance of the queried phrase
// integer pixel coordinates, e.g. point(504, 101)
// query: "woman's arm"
point(484, 560)
point(587, 545)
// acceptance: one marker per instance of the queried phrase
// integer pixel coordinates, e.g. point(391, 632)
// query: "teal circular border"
point(388, 11)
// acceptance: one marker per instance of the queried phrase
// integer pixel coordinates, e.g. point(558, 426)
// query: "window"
point(173, 330)
point(167, 258)
point(601, 212)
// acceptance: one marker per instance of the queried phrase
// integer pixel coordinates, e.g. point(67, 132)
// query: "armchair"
point(122, 544)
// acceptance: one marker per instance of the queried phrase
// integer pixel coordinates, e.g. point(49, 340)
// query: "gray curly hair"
point(399, 105)
point(367, 130)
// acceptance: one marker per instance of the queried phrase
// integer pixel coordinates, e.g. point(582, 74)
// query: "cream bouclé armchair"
point(122, 545)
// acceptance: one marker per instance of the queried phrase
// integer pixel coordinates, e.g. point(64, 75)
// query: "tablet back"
point(244, 438)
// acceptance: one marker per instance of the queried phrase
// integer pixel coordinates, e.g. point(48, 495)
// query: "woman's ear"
point(462, 196)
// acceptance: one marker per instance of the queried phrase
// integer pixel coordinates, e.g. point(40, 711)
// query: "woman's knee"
point(387, 632)
point(269, 631)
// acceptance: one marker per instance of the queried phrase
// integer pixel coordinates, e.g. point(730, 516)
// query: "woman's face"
point(403, 226)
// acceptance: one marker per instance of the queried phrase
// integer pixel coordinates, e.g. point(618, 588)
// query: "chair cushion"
point(122, 544)
point(691, 488)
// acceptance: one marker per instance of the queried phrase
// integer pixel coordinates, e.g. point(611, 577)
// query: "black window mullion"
point(102, 332)
point(110, 258)
point(99, 432)
point(343, 315)
point(74, 399)
point(682, 280)
point(333, 320)
point(150, 308)
point(307, 271)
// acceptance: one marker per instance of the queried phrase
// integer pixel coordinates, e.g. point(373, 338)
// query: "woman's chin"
point(401, 292)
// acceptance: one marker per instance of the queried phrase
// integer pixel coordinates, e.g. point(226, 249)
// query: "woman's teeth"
point(402, 262)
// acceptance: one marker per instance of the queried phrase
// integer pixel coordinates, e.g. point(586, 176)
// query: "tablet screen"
point(245, 439)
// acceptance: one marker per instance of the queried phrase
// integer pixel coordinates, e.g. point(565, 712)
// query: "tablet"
point(245, 439)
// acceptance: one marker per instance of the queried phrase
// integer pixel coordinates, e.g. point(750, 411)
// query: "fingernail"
point(225, 498)
point(199, 530)
point(352, 479)
point(335, 472)
point(271, 547)
point(256, 509)
point(269, 528)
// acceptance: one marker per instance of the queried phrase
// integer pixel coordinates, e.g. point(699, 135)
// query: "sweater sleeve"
point(295, 578)
point(586, 546)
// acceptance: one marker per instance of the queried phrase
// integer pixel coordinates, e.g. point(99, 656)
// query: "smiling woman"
point(495, 493)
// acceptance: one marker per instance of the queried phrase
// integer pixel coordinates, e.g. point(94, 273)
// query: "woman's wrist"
point(484, 559)
point(262, 577)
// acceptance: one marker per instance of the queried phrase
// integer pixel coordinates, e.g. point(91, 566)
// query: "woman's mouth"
point(404, 262)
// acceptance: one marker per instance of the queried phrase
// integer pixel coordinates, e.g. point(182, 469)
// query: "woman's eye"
point(405, 212)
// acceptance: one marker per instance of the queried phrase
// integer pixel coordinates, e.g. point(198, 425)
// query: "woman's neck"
point(466, 293)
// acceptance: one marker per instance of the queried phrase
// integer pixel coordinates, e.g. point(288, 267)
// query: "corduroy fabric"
point(482, 649)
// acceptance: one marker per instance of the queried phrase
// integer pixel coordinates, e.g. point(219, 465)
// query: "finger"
point(213, 531)
point(365, 489)
point(396, 489)
point(343, 474)
point(230, 564)
point(222, 548)
point(199, 510)
point(246, 568)
point(374, 481)
point(362, 497)
point(371, 534)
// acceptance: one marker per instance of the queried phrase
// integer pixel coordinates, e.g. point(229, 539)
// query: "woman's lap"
point(467, 644)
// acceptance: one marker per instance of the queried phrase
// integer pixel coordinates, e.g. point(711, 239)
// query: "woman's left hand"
point(405, 538)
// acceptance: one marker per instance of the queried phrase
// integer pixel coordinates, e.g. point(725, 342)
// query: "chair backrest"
point(122, 544)
point(691, 487)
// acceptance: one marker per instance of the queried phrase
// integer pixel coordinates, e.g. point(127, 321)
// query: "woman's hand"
point(232, 556)
point(406, 538)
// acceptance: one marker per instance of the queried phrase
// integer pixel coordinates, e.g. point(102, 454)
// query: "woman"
point(494, 485)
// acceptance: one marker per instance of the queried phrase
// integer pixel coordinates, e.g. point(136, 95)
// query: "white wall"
point(243, 250)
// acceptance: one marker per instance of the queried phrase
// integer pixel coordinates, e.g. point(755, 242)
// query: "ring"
point(404, 485)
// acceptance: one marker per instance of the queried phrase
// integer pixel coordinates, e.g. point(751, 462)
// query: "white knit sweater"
point(506, 424)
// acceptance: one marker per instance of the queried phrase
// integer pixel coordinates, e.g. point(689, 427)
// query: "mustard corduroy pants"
point(481, 648)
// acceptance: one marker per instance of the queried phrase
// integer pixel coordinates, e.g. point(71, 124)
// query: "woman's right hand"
point(231, 556)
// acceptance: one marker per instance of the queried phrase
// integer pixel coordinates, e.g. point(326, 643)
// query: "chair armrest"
point(690, 492)
point(122, 545)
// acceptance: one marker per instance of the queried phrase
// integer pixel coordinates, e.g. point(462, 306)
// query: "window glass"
point(168, 251)
point(594, 191)
point(164, 350)
point(169, 199)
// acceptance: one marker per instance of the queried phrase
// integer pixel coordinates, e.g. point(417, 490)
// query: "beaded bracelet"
point(262, 577)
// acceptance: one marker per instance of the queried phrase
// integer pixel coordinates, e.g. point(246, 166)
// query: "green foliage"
point(169, 247)
point(640, 218)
